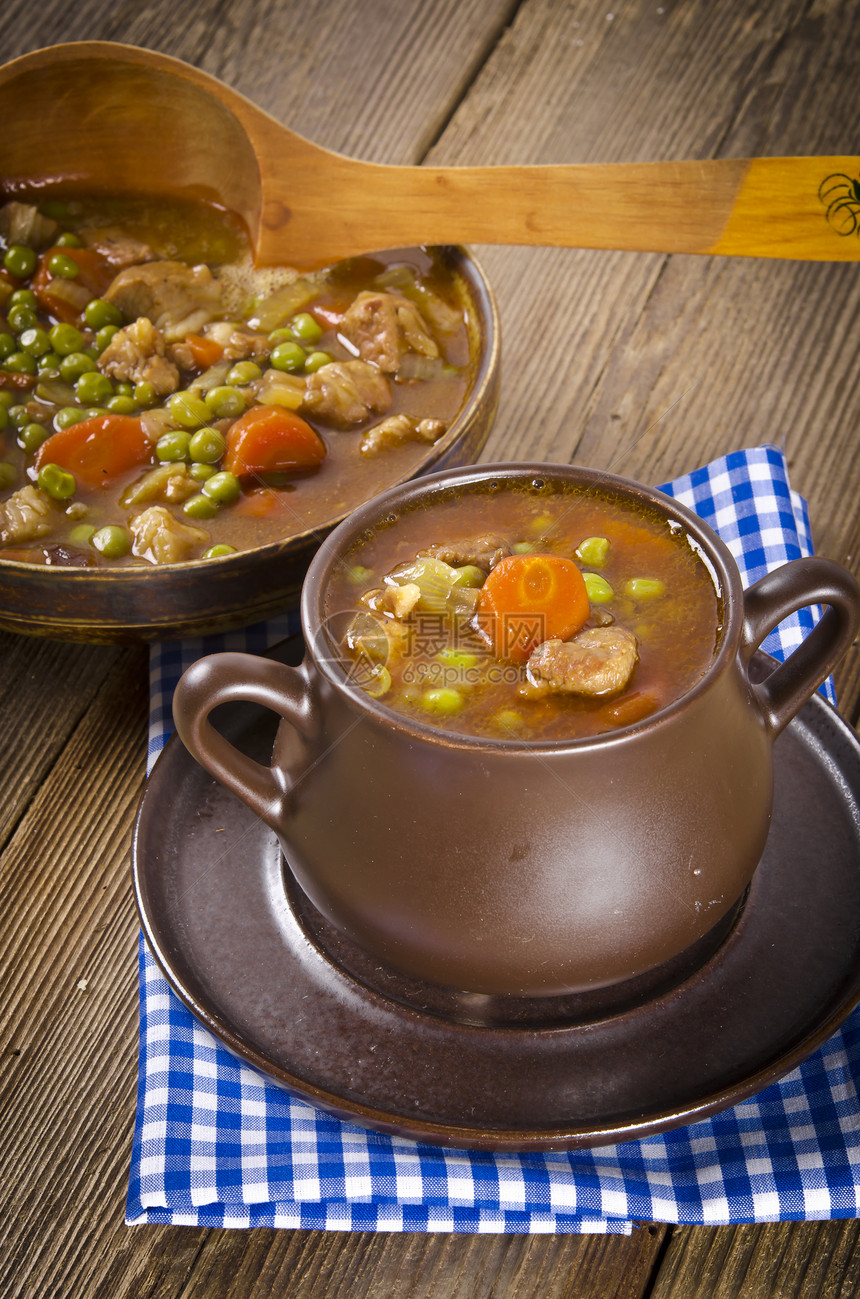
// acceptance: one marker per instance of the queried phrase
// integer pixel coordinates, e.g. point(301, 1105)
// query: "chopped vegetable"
point(97, 450)
point(204, 351)
point(593, 550)
point(529, 598)
point(272, 439)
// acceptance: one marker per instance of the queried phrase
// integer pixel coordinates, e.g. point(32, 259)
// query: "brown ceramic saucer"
point(263, 974)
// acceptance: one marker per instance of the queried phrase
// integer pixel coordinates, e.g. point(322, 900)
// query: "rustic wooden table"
point(649, 364)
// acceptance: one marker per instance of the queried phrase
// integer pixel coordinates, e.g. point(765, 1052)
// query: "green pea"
point(112, 541)
point(207, 445)
point(66, 339)
point(144, 393)
point(65, 267)
point(287, 356)
point(216, 552)
point(35, 341)
point(7, 398)
point(305, 327)
point(282, 335)
point(93, 388)
point(200, 471)
point(49, 365)
point(224, 488)
point(644, 588)
point(23, 298)
point(123, 388)
point(459, 659)
point(20, 363)
point(4, 417)
point(172, 446)
point(21, 317)
point(359, 575)
point(469, 575)
point(200, 507)
point(187, 410)
point(98, 313)
point(599, 590)
point(19, 415)
point(225, 402)
point(20, 261)
point(243, 372)
point(31, 437)
point(68, 239)
point(57, 482)
point(121, 405)
point(444, 700)
point(74, 364)
point(69, 415)
point(316, 361)
point(103, 337)
point(8, 476)
point(82, 535)
point(7, 346)
point(524, 547)
point(594, 551)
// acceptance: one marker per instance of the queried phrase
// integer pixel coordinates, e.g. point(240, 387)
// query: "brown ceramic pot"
point(501, 867)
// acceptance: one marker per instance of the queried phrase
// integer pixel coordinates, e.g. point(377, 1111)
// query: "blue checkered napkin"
point(217, 1145)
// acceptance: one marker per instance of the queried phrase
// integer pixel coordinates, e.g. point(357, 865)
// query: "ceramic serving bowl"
point(192, 136)
point(501, 867)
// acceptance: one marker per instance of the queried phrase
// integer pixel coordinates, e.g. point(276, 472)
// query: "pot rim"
point(710, 547)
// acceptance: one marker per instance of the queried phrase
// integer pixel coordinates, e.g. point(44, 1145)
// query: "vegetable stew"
point(542, 612)
point(163, 401)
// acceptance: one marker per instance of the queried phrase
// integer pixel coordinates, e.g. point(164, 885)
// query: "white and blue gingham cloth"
point(215, 1144)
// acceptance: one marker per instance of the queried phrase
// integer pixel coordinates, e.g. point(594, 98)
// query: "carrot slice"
point(97, 450)
point(528, 599)
point(204, 351)
point(272, 439)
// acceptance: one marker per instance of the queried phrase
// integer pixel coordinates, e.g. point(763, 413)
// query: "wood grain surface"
point(646, 364)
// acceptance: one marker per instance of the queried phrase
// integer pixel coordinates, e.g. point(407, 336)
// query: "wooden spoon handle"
point(800, 208)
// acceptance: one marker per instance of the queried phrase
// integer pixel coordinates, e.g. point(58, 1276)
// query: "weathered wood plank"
point(808, 1260)
point(40, 712)
point(419, 1266)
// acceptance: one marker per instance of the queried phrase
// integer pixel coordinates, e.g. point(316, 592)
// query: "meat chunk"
point(25, 515)
point(22, 223)
point(347, 392)
point(116, 247)
point(484, 551)
point(399, 429)
point(599, 661)
point(137, 353)
point(161, 538)
point(384, 326)
point(239, 344)
point(178, 299)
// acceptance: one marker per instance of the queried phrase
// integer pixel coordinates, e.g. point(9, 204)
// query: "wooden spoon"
point(127, 119)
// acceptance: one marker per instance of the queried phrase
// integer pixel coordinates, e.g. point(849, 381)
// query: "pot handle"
point(793, 586)
point(218, 679)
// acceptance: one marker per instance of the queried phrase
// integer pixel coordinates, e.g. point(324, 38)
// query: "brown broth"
point(677, 631)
